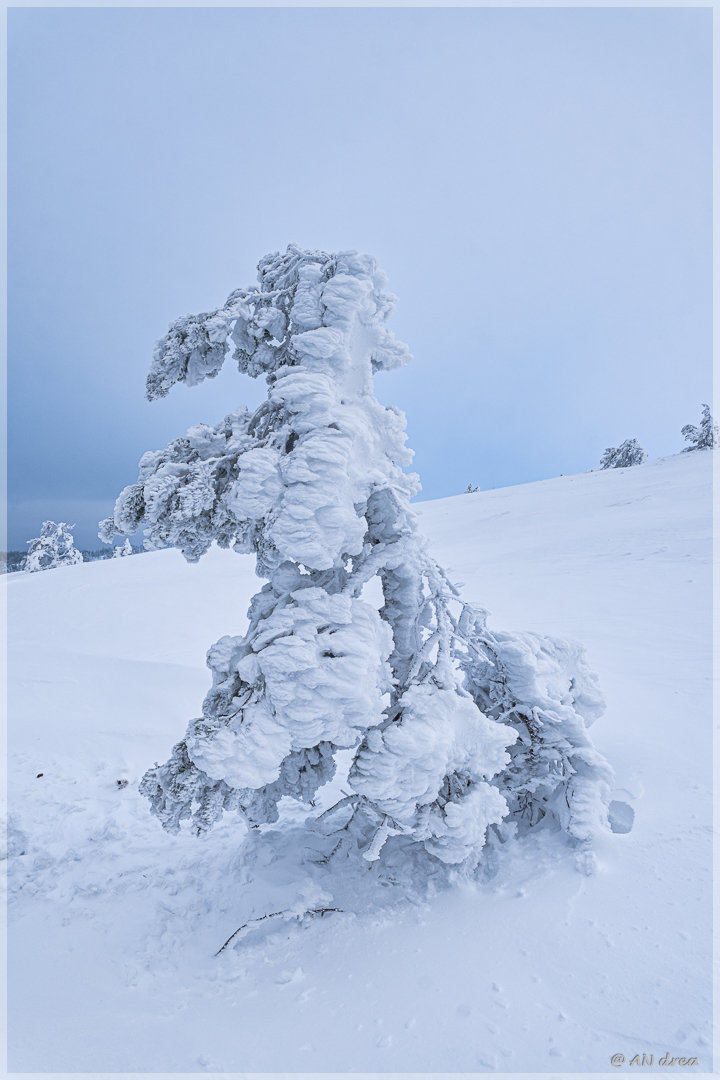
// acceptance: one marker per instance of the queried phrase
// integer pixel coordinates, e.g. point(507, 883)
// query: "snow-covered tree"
point(621, 457)
point(703, 437)
point(122, 550)
point(53, 547)
point(452, 730)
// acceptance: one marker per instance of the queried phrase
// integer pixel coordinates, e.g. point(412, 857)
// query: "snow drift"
point(114, 925)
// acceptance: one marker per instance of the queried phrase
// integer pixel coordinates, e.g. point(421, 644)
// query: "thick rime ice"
point(621, 457)
point(544, 689)
point(455, 734)
point(53, 547)
point(703, 437)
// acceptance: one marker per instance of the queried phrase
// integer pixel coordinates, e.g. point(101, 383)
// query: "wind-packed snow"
point(114, 924)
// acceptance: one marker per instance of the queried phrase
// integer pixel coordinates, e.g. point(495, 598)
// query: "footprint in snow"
point(621, 816)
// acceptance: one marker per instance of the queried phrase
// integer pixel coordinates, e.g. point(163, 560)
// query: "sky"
point(536, 182)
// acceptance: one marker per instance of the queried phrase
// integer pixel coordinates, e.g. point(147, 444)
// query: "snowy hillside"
point(114, 925)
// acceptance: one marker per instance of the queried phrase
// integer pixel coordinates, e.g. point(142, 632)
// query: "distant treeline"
point(11, 561)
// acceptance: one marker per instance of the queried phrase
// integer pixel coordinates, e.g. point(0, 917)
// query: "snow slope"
point(113, 925)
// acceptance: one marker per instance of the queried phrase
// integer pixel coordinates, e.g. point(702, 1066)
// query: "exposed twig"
point(273, 915)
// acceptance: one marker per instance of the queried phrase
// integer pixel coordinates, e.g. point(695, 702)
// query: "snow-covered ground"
point(113, 925)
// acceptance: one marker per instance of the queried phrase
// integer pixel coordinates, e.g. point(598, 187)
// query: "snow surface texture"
point(433, 707)
point(114, 925)
point(52, 548)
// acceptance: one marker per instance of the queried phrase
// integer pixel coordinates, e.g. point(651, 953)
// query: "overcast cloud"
point(537, 183)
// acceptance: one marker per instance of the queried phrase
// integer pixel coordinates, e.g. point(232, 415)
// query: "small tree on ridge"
point(703, 437)
point(53, 547)
point(622, 457)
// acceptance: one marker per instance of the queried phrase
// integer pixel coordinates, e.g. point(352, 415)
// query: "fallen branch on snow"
point(273, 915)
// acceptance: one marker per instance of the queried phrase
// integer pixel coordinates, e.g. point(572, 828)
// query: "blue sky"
point(537, 183)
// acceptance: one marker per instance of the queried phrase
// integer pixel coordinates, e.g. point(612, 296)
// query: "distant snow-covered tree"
point(452, 731)
point(621, 457)
point(122, 550)
point(53, 547)
point(703, 437)
point(12, 561)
